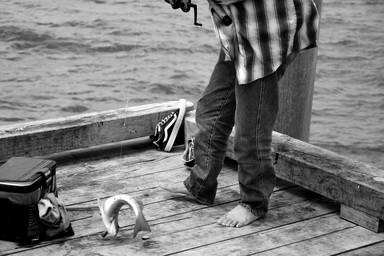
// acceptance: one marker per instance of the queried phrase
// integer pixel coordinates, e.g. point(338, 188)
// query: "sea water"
point(60, 58)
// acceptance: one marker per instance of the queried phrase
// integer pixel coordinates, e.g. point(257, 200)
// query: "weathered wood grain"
point(330, 244)
point(80, 131)
point(296, 93)
point(138, 174)
point(352, 183)
point(300, 222)
point(274, 238)
point(361, 218)
point(376, 249)
point(165, 213)
point(175, 227)
point(179, 225)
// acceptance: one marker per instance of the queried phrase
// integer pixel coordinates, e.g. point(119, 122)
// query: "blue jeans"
point(253, 107)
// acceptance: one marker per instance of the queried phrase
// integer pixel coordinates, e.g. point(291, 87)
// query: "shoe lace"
point(165, 119)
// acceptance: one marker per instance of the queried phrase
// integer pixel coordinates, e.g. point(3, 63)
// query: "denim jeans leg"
point(256, 112)
point(215, 113)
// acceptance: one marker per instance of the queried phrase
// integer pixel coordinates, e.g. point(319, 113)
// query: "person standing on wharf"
point(263, 38)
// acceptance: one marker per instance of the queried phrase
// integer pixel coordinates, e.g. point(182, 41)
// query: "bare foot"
point(238, 217)
point(180, 189)
point(177, 188)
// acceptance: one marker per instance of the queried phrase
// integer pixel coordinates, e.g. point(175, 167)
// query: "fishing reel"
point(185, 6)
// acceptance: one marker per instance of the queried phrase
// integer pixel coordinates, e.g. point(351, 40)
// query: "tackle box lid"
point(24, 173)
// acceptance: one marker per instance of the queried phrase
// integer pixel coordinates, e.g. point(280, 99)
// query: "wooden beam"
point(354, 184)
point(361, 218)
point(295, 96)
point(81, 131)
point(296, 93)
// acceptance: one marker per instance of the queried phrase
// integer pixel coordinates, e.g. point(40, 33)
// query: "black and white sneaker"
point(166, 130)
point(188, 156)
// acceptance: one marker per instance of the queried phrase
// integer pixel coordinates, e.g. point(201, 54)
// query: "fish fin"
point(95, 216)
point(141, 224)
point(101, 206)
point(140, 204)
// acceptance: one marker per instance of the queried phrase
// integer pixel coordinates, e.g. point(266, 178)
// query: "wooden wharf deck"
point(300, 222)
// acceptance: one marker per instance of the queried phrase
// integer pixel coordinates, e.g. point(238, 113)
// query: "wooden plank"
point(177, 225)
point(330, 244)
point(137, 161)
point(376, 249)
point(139, 173)
point(79, 131)
point(352, 183)
point(361, 218)
point(167, 214)
point(199, 233)
point(259, 242)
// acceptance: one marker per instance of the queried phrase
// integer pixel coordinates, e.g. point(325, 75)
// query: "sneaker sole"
point(175, 130)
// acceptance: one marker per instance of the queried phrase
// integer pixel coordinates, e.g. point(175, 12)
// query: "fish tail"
point(101, 206)
point(141, 224)
point(140, 204)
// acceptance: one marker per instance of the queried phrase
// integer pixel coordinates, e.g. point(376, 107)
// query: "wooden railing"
point(81, 131)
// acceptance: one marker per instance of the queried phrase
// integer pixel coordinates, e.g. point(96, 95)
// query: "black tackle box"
point(23, 181)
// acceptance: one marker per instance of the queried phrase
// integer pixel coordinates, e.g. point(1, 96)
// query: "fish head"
point(109, 220)
point(113, 228)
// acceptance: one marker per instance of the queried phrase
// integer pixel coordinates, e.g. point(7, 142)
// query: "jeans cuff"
point(195, 195)
point(260, 212)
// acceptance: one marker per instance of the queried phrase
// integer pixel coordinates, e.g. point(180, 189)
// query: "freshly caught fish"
point(110, 212)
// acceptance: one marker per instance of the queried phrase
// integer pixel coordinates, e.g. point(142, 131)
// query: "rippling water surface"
point(59, 58)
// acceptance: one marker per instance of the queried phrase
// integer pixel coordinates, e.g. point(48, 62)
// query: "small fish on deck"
point(110, 209)
point(110, 212)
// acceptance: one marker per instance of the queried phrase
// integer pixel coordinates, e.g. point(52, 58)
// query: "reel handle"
point(186, 7)
point(194, 6)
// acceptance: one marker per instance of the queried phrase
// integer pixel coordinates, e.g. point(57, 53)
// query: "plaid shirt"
point(264, 33)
